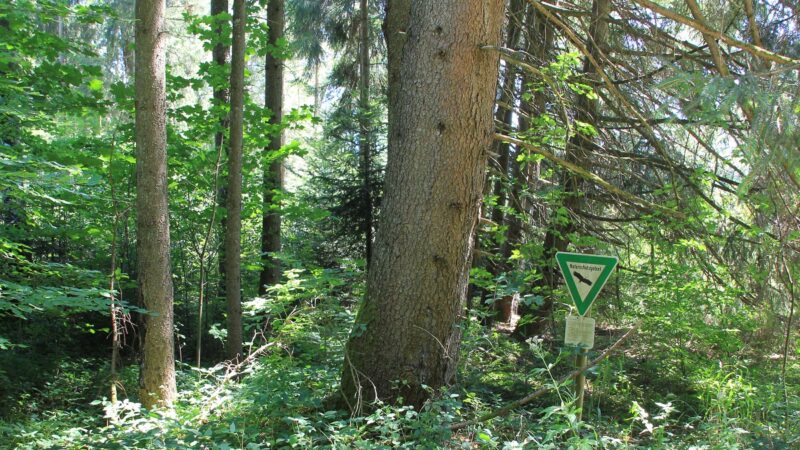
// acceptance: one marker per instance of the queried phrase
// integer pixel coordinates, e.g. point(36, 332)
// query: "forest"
point(377, 224)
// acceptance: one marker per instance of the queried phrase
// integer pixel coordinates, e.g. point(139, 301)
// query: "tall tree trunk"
point(579, 148)
point(273, 176)
point(152, 220)
point(364, 119)
point(442, 88)
point(114, 309)
point(538, 45)
point(504, 116)
point(233, 230)
point(220, 57)
point(201, 256)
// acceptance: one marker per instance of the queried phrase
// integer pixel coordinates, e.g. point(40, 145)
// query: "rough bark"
point(364, 126)
point(442, 88)
point(157, 376)
point(273, 175)
point(233, 230)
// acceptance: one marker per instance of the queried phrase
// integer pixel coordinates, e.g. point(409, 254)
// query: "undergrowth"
point(279, 400)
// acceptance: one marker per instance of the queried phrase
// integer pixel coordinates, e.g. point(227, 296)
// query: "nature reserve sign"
point(585, 276)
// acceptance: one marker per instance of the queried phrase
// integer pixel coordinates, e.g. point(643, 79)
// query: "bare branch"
point(585, 174)
point(754, 49)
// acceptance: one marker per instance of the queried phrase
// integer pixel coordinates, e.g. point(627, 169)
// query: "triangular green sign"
point(585, 276)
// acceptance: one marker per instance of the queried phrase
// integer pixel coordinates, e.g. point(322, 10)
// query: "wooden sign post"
point(585, 276)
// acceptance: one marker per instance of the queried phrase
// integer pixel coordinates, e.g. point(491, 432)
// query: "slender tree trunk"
point(538, 41)
point(539, 44)
point(198, 349)
point(128, 58)
point(273, 175)
point(579, 148)
point(202, 253)
point(233, 230)
point(504, 116)
point(114, 309)
point(519, 178)
point(316, 88)
point(116, 313)
point(220, 57)
point(442, 88)
point(365, 128)
point(152, 221)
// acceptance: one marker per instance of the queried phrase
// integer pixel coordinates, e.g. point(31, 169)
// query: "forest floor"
point(633, 401)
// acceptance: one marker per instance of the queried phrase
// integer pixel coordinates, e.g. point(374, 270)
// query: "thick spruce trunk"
point(441, 93)
point(233, 230)
point(157, 378)
point(273, 175)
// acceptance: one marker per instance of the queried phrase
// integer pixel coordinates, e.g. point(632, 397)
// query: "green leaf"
point(96, 84)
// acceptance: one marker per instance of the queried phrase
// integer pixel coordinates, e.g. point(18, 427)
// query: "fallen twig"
point(214, 399)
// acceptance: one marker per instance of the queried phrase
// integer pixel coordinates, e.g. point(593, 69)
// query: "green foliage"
point(713, 292)
point(336, 185)
point(281, 399)
point(53, 183)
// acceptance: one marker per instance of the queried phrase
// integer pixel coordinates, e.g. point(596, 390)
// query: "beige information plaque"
point(580, 332)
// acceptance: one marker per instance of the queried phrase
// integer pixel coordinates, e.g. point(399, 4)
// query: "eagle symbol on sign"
point(582, 278)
